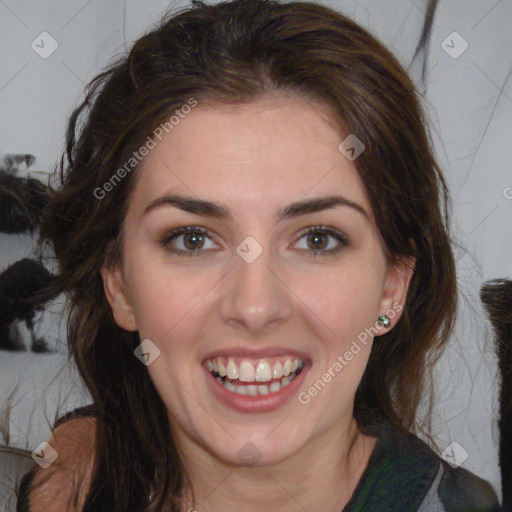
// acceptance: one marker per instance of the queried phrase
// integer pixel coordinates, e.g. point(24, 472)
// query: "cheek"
point(345, 302)
point(345, 299)
point(161, 297)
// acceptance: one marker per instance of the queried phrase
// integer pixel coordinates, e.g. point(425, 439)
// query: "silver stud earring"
point(384, 320)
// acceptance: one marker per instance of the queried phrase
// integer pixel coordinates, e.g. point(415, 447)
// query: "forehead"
point(270, 152)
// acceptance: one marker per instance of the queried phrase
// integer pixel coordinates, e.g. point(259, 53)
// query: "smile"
point(246, 370)
point(241, 376)
point(254, 384)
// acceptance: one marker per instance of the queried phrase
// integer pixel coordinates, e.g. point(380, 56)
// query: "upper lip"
point(251, 353)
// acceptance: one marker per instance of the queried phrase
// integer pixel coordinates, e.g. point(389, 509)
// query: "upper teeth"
point(245, 370)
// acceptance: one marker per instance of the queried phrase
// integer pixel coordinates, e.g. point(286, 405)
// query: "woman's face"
point(252, 293)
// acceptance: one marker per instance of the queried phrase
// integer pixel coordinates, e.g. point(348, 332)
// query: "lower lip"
point(260, 403)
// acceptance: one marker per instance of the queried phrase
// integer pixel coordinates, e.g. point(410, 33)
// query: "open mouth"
point(256, 389)
point(243, 377)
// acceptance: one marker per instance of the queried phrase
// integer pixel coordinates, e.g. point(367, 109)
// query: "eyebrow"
point(220, 211)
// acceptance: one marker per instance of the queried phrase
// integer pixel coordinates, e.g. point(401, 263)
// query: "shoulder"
point(64, 484)
point(454, 489)
point(459, 489)
point(420, 480)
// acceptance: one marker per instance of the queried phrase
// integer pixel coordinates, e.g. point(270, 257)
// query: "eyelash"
point(340, 237)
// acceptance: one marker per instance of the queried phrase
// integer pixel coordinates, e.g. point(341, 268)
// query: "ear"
point(116, 295)
point(394, 292)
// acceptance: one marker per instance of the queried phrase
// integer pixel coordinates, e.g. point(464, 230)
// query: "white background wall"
point(469, 100)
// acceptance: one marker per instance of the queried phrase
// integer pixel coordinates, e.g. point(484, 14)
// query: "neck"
point(321, 476)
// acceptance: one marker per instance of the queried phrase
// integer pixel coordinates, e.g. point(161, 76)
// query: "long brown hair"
point(235, 52)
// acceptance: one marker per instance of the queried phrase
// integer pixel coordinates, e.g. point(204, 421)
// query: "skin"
point(256, 160)
point(54, 485)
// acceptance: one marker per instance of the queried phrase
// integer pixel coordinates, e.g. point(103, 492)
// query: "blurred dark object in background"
point(496, 297)
point(22, 200)
point(21, 286)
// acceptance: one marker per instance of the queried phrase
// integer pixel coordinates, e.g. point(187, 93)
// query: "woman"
point(250, 227)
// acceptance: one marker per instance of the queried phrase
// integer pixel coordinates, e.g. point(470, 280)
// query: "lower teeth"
point(256, 390)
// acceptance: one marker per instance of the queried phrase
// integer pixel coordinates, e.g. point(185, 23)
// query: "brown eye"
point(317, 239)
point(193, 240)
point(190, 240)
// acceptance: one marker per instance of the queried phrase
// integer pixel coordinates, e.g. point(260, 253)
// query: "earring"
point(384, 320)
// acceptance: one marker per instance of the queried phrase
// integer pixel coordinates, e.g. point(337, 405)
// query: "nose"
point(256, 295)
